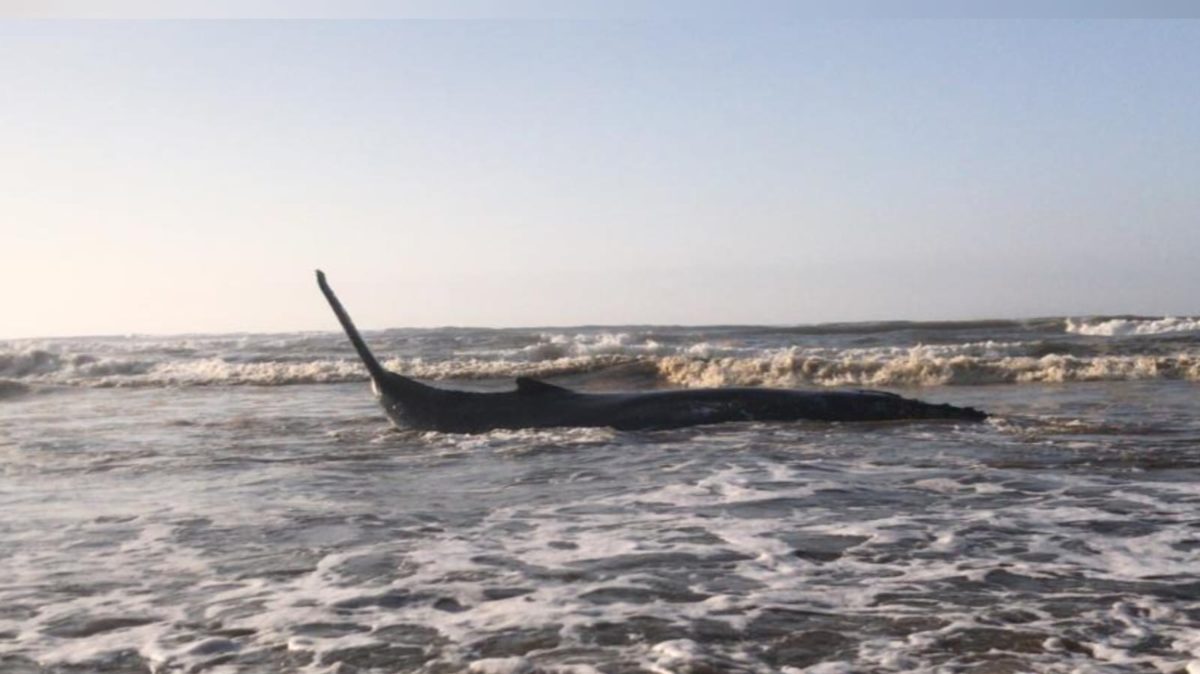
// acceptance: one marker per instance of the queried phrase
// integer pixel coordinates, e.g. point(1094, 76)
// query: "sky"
point(174, 176)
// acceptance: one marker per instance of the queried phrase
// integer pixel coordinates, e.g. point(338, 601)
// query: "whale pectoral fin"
point(534, 387)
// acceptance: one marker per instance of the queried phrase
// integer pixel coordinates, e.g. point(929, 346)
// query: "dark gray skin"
point(536, 404)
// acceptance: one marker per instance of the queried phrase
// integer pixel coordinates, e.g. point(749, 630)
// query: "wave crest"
point(921, 369)
point(1132, 327)
point(634, 358)
point(40, 363)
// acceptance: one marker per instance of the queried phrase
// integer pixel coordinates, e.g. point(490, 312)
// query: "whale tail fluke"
point(385, 380)
point(405, 400)
point(377, 371)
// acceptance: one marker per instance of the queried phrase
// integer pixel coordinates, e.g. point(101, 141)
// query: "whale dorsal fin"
point(529, 386)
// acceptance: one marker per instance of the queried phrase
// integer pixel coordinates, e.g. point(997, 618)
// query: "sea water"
point(238, 503)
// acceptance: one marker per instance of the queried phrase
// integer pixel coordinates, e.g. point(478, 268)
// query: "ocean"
point(239, 503)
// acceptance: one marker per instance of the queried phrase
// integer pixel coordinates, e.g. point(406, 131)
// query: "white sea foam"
point(676, 655)
point(694, 365)
point(556, 346)
point(511, 665)
point(1127, 327)
point(690, 533)
point(920, 366)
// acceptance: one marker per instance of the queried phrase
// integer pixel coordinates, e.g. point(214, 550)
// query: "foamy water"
point(1125, 327)
point(152, 524)
point(871, 354)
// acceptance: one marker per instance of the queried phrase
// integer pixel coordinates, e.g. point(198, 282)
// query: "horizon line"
point(952, 322)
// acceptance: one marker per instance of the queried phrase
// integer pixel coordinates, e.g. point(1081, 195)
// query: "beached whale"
point(536, 404)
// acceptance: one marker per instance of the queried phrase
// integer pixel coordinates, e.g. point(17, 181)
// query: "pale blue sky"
point(188, 176)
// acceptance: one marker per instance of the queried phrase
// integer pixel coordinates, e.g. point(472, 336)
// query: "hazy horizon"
point(334, 328)
point(186, 177)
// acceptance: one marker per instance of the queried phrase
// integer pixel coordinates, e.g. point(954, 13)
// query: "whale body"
point(536, 404)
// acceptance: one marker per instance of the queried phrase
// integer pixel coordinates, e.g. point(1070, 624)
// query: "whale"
point(411, 404)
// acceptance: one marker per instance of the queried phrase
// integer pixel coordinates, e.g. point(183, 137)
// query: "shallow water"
point(226, 528)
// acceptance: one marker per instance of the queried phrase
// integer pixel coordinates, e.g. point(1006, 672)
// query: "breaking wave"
point(919, 367)
point(38, 363)
point(12, 389)
point(638, 361)
point(1132, 327)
